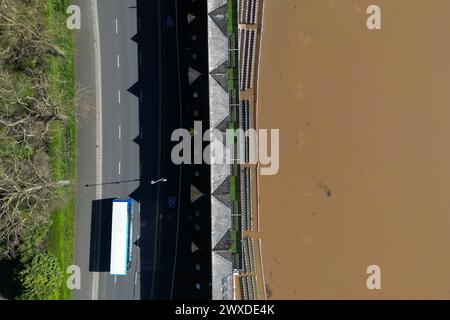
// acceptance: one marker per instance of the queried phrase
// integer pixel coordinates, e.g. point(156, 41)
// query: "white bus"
point(121, 237)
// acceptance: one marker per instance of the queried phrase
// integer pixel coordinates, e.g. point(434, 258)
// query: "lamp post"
point(159, 180)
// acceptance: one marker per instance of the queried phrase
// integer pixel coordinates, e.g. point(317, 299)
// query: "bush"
point(41, 278)
point(33, 241)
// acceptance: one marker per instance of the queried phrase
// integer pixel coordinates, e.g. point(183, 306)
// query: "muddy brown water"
point(364, 119)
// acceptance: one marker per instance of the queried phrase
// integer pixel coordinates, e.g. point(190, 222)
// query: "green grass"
point(62, 142)
point(232, 16)
point(235, 188)
point(232, 72)
point(233, 91)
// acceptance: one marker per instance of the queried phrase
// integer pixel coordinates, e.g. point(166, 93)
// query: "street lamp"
point(159, 180)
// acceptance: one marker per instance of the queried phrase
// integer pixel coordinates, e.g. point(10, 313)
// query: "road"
point(129, 72)
point(117, 23)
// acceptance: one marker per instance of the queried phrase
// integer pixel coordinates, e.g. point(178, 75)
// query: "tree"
point(27, 195)
point(26, 109)
point(33, 241)
point(42, 278)
point(23, 38)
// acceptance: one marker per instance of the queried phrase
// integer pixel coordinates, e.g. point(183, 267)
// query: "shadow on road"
point(175, 257)
point(175, 242)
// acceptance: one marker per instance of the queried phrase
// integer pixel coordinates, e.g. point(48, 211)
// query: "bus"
point(121, 237)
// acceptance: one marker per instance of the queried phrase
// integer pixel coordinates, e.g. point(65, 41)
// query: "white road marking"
point(115, 279)
point(120, 132)
point(119, 167)
point(99, 130)
point(118, 96)
point(139, 207)
point(135, 278)
point(118, 61)
point(117, 27)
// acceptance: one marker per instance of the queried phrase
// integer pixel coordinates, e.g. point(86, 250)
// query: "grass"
point(233, 91)
point(62, 142)
point(232, 16)
point(56, 237)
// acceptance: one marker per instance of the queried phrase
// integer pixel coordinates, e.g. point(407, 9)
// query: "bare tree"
point(26, 109)
point(26, 192)
point(22, 35)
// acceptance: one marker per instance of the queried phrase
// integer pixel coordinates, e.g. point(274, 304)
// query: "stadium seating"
point(248, 11)
point(247, 42)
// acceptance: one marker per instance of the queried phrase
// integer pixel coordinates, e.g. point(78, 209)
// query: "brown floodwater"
point(364, 119)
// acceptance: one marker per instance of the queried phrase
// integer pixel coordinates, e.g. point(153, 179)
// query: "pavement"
point(86, 144)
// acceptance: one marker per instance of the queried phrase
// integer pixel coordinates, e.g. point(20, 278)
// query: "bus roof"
point(119, 237)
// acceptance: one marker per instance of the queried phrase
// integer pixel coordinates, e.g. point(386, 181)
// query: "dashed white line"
point(117, 27)
point(135, 278)
point(115, 279)
point(118, 61)
point(120, 132)
point(119, 167)
point(118, 94)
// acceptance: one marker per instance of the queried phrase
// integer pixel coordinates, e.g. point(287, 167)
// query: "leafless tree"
point(22, 34)
point(26, 192)
point(26, 109)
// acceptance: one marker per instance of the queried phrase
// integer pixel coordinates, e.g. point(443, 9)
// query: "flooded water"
point(364, 119)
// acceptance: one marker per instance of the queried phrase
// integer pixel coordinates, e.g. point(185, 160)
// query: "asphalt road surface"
point(117, 23)
point(124, 144)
